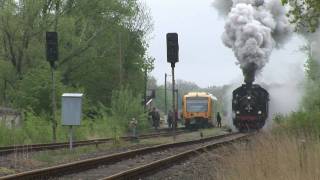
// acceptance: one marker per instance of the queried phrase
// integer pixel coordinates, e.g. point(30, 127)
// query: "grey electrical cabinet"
point(71, 108)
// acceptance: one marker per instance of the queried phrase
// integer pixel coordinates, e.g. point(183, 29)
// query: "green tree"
point(102, 46)
point(125, 106)
point(304, 14)
point(34, 90)
point(101, 43)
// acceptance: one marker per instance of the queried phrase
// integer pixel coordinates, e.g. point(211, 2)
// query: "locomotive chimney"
point(249, 73)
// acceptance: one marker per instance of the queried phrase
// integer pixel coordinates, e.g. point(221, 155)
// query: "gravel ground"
point(202, 167)
point(107, 170)
point(19, 162)
point(206, 166)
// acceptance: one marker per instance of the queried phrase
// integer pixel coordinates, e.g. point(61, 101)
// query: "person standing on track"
point(155, 116)
point(133, 125)
point(219, 120)
point(176, 118)
point(157, 120)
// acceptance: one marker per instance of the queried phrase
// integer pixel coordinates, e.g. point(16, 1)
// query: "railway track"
point(61, 145)
point(134, 164)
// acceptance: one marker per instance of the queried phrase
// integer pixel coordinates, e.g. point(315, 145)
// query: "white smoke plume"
point(253, 29)
point(223, 7)
point(286, 86)
point(314, 40)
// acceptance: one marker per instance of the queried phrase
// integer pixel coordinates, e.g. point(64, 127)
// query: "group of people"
point(155, 117)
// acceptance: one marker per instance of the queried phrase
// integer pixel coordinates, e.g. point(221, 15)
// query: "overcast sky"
point(203, 57)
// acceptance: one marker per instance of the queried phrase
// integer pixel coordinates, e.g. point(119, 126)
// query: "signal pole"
point(52, 56)
point(173, 102)
point(177, 98)
point(54, 121)
point(172, 58)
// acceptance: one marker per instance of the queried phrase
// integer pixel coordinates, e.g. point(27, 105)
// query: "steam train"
point(249, 107)
point(198, 109)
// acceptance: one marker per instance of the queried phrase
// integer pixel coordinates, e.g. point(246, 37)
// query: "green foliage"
point(307, 119)
point(304, 13)
point(11, 136)
point(37, 129)
point(300, 122)
point(102, 47)
point(126, 105)
point(34, 129)
point(6, 78)
point(311, 99)
point(114, 121)
point(35, 90)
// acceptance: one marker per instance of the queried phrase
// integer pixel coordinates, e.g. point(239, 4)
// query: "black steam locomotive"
point(249, 107)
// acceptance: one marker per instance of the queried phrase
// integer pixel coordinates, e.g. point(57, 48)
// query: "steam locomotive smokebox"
point(250, 106)
point(71, 108)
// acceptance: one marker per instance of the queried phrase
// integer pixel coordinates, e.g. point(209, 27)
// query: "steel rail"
point(51, 146)
point(145, 170)
point(78, 166)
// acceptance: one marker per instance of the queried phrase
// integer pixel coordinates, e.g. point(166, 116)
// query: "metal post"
point(165, 93)
point(54, 122)
point(70, 137)
point(177, 102)
point(173, 103)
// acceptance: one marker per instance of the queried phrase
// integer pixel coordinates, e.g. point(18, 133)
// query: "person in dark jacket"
point(176, 119)
point(219, 120)
point(155, 116)
point(157, 120)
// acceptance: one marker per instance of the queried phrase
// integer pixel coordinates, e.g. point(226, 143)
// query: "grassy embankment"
point(291, 151)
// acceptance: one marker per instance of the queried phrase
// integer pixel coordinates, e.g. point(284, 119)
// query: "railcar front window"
point(197, 104)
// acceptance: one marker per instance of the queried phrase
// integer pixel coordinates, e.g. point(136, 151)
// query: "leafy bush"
point(125, 105)
point(34, 90)
point(299, 122)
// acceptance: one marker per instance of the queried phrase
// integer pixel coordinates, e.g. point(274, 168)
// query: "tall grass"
point(37, 129)
point(111, 122)
point(268, 156)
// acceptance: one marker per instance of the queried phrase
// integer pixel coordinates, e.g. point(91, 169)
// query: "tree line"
point(102, 49)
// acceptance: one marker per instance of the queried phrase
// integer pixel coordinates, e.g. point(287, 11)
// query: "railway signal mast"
point(173, 58)
point(52, 57)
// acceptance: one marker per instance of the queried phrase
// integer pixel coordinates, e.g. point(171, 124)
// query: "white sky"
point(203, 57)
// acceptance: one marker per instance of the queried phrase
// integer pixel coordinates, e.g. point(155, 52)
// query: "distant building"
point(10, 117)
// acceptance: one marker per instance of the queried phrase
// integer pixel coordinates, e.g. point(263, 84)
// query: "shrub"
point(125, 106)
point(299, 122)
